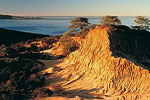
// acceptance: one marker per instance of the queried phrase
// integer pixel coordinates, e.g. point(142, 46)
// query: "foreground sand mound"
point(107, 65)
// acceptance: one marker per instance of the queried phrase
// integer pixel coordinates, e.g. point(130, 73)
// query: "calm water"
point(51, 25)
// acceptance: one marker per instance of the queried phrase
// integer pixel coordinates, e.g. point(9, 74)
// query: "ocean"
point(51, 25)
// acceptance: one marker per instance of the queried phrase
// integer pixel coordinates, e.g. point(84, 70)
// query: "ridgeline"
point(9, 37)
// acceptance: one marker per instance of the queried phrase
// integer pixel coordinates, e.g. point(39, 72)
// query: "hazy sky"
point(75, 7)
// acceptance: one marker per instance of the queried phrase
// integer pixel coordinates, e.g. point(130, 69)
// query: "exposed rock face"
point(106, 64)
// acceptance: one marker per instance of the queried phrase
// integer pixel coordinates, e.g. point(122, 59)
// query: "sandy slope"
point(92, 72)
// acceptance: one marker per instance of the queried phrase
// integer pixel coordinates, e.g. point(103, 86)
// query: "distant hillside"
point(17, 17)
point(9, 37)
point(6, 17)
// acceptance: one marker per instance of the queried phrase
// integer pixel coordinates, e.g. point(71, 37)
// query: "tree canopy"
point(142, 23)
point(78, 24)
point(110, 20)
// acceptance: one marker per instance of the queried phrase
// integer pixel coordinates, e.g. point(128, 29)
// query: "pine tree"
point(78, 24)
point(110, 20)
point(142, 22)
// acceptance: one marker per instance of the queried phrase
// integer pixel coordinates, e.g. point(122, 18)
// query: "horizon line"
point(76, 15)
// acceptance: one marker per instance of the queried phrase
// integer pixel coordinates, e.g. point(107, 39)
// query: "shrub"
point(20, 79)
point(68, 44)
point(3, 50)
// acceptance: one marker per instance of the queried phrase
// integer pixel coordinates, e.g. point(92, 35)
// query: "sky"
point(75, 7)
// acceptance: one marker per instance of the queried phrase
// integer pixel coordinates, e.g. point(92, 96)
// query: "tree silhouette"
point(110, 20)
point(78, 24)
point(143, 23)
point(79, 27)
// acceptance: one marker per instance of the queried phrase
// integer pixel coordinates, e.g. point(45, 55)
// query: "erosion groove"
point(99, 70)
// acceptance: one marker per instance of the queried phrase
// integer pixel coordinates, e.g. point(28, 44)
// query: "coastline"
point(18, 17)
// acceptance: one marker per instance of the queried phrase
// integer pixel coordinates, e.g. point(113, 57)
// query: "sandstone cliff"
point(112, 63)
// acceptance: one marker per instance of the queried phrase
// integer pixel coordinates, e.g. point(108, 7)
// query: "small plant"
point(110, 20)
point(68, 44)
point(142, 22)
point(3, 50)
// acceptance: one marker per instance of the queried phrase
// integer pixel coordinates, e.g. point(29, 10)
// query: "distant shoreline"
point(18, 17)
point(86, 16)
